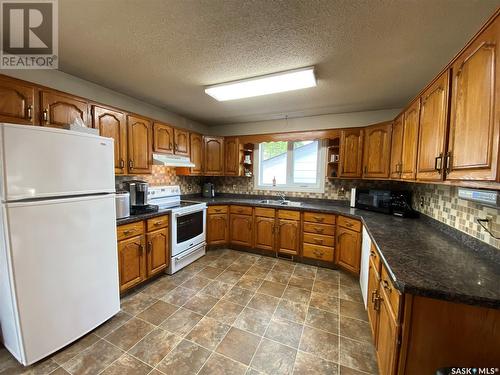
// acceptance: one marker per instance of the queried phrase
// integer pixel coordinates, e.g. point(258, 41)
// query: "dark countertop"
point(423, 256)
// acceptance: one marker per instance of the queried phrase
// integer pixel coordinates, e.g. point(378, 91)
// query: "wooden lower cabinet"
point(131, 262)
point(387, 337)
point(264, 233)
point(157, 251)
point(241, 229)
point(288, 236)
point(217, 228)
point(348, 249)
point(142, 254)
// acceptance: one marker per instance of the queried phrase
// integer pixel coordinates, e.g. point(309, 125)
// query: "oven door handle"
point(186, 255)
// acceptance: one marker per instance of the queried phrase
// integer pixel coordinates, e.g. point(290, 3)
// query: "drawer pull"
point(386, 286)
point(318, 241)
point(29, 112)
point(150, 247)
point(372, 253)
point(157, 223)
point(128, 231)
point(374, 293)
point(319, 254)
point(319, 230)
point(319, 219)
point(217, 210)
point(348, 225)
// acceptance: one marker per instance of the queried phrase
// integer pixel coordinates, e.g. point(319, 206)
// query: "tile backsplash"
point(162, 175)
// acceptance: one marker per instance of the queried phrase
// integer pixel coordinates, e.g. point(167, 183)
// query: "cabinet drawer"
point(288, 214)
point(318, 252)
point(314, 217)
point(216, 209)
point(391, 293)
point(130, 230)
point(264, 212)
point(318, 239)
point(242, 210)
point(375, 258)
point(349, 223)
point(157, 222)
point(328, 230)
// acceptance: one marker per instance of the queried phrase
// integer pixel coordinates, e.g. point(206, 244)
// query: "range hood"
point(172, 160)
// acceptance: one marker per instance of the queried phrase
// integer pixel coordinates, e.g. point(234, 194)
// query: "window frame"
point(318, 187)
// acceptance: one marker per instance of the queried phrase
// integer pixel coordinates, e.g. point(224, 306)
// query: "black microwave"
point(396, 202)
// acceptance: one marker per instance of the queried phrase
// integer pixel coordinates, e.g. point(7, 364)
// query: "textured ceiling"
point(369, 54)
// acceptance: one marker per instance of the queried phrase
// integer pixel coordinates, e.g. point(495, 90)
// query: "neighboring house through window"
point(290, 166)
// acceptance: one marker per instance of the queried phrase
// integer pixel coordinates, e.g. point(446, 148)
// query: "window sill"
point(295, 189)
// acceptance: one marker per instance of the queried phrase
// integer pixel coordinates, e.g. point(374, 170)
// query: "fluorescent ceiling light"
point(269, 84)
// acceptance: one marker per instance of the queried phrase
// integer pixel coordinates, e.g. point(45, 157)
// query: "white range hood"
point(172, 160)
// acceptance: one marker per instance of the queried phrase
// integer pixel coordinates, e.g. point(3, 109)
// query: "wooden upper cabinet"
point(377, 151)
point(112, 124)
point(288, 236)
point(196, 145)
point(264, 233)
point(396, 147)
point(232, 156)
point(351, 152)
point(214, 156)
point(58, 110)
point(17, 102)
point(433, 126)
point(163, 138)
point(157, 251)
point(139, 145)
point(410, 141)
point(181, 142)
point(475, 110)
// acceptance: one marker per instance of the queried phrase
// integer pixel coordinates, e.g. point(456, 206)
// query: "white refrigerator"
point(58, 252)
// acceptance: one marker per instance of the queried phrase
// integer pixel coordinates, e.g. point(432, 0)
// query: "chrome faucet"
point(282, 196)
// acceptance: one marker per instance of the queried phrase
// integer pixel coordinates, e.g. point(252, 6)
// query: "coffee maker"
point(138, 190)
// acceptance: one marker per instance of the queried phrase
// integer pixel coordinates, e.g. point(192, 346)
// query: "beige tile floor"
point(228, 313)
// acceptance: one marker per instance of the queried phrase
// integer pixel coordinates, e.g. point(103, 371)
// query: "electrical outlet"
point(234, 186)
point(422, 201)
point(190, 187)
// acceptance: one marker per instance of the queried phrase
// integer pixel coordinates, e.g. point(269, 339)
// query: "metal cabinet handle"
point(29, 112)
point(318, 253)
point(438, 163)
point(128, 231)
point(374, 293)
point(448, 161)
point(386, 286)
point(376, 304)
point(318, 241)
point(131, 164)
point(348, 225)
point(122, 163)
point(45, 115)
point(372, 253)
point(156, 223)
point(319, 218)
point(170, 145)
point(319, 230)
point(150, 247)
point(141, 249)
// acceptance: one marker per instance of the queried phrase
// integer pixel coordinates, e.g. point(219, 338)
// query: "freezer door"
point(65, 269)
point(45, 162)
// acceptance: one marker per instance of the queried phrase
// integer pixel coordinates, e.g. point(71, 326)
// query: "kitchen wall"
point(440, 202)
point(73, 85)
point(329, 121)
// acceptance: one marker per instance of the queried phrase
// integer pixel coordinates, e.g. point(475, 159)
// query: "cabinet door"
point(214, 156)
point(264, 233)
point(241, 230)
point(181, 144)
point(432, 133)
point(348, 250)
point(17, 102)
point(410, 141)
point(139, 145)
point(232, 156)
point(163, 138)
point(196, 141)
point(217, 229)
point(351, 152)
point(158, 254)
point(131, 262)
point(387, 338)
point(475, 110)
point(377, 151)
point(288, 236)
point(59, 110)
point(373, 300)
point(397, 147)
point(112, 124)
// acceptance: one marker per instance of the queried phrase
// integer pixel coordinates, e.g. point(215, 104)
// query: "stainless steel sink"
point(280, 202)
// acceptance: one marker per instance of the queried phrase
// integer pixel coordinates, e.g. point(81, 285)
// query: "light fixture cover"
point(269, 84)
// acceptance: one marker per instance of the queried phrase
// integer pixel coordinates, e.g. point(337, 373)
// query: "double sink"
point(280, 202)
